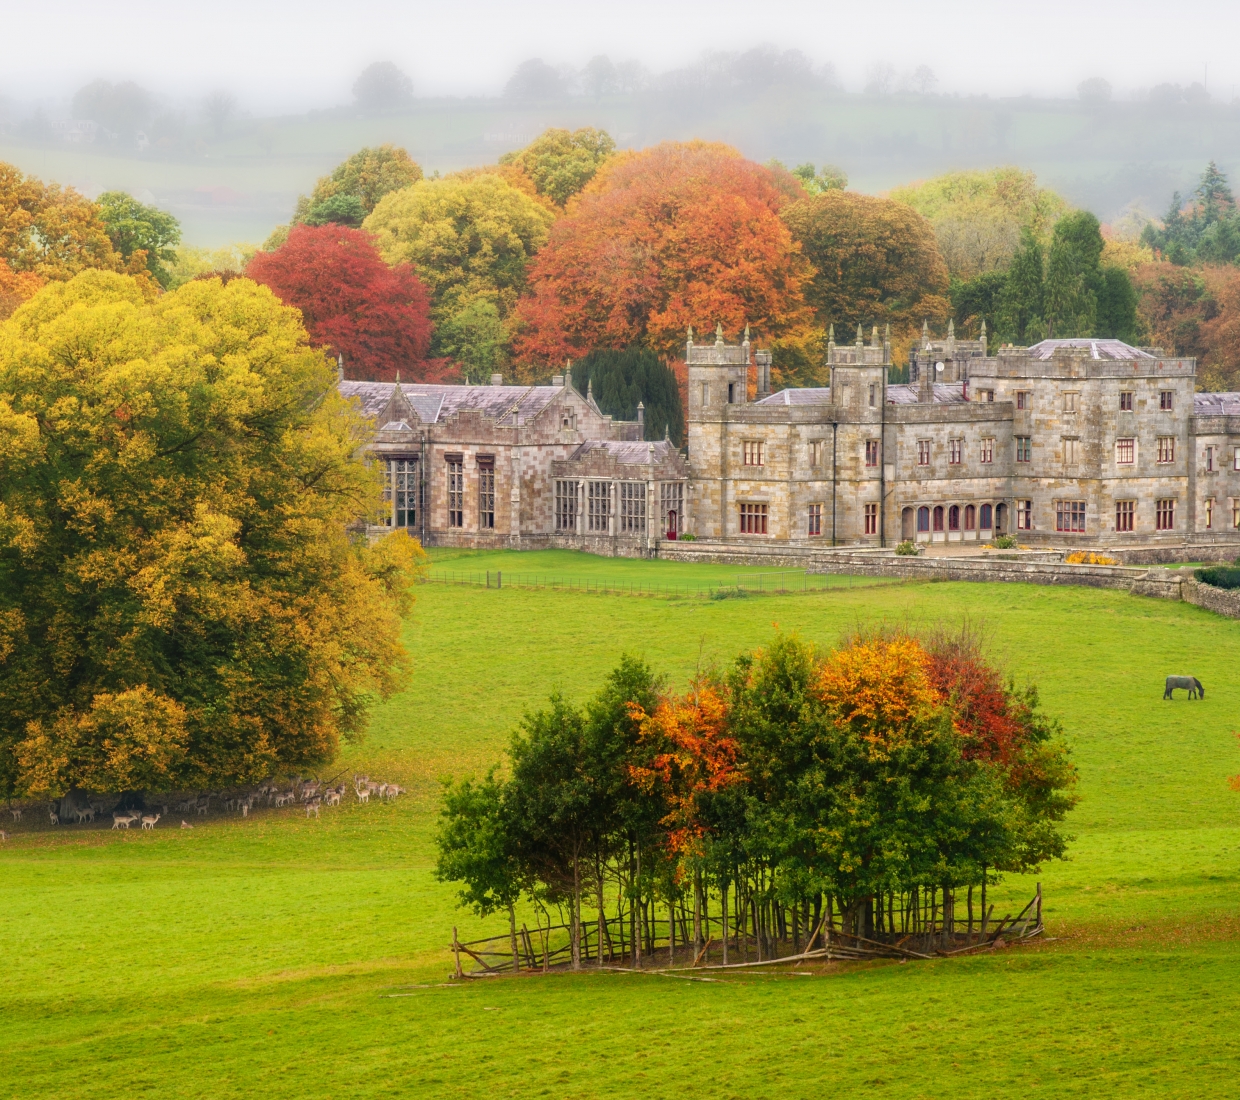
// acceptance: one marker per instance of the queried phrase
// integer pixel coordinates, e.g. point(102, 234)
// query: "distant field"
point(292, 958)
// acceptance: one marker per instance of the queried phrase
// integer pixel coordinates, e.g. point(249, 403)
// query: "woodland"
point(570, 247)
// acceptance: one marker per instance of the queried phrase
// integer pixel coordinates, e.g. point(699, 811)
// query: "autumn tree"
point(470, 241)
point(559, 163)
point(352, 303)
point(181, 603)
point(979, 216)
point(134, 227)
point(16, 287)
point(674, 236)
point(875, 261)
point(354, 187)
point(50, 231)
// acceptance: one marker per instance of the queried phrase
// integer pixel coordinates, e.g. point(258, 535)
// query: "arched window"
point(985, 524)
point(970, 517)
point(923, 519)
point(938, 518)
point(953, 518)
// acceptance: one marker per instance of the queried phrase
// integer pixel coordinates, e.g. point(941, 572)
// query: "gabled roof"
point(809, 396)
point(627, 452)
point(1216, 404)
point(435, 404)
point(945, 393)
point(1098, 349)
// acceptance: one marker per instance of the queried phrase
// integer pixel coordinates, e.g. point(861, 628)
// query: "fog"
point(222, 114)
point(283, 57)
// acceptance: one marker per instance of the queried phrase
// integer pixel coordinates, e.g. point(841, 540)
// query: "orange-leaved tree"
point(674, 236)
point(50, 230)
point(879, 689)
point(694, 755)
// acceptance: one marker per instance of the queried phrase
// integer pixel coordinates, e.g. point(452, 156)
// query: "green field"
point(284, 957)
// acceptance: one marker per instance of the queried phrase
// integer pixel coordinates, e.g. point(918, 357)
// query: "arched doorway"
point(906, 524)
point(1000, 518)
point(953, 518)
point(923, 521)
point(938, 517)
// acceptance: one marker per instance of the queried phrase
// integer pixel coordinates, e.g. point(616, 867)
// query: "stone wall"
point(1222, 601)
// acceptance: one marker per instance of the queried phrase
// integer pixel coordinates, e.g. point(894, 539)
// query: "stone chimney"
point(497, 380)
point(641, 421)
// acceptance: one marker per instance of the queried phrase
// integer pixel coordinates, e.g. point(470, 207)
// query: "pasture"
point(292, 956)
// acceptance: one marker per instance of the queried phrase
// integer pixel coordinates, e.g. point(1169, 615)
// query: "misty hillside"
point(236, 177)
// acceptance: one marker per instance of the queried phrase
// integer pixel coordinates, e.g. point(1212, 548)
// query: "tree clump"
point(375, 315)
point(135, 228)
point(50, 231)
point(355, 186)
point(864, 777)
point(675, 236)
point(470, 241)
point(560, 163)
point(875, 261)
point(181, 604)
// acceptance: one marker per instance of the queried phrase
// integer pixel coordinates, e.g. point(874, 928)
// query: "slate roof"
point(809, 396)
point(945, 393)
point(1098, 349)
point(434, 404)
point(628, 452)
point(1216, 404)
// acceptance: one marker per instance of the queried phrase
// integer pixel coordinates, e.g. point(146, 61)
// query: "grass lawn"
point(284, 957)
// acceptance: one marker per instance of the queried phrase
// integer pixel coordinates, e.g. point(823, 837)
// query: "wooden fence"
point(668, 944)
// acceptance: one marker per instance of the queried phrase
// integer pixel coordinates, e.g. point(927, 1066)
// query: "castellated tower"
point(718, 375)
point(858, 372)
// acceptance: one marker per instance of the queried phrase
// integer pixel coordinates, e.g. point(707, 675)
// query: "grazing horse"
point(1189, 683)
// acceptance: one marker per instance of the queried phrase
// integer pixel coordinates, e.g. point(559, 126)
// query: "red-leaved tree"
point(352, 303)
point(677, 235)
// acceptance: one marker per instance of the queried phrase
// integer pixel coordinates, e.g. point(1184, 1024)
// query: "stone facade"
point(1067, 443)
point(518, 467)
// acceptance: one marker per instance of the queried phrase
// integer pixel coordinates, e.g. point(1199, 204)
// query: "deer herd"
point(311, 794)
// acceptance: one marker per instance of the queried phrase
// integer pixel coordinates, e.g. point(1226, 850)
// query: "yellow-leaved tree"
point(182, 602)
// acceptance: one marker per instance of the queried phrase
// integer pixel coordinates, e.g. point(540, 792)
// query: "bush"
point(1220, 576)
point(907, 549)
point(687, 536)
point(1088, 557)
point(729, 592)
point(1004, 542)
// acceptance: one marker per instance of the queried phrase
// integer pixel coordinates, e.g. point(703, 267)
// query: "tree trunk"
point(602, 915)
point(723, 917)
point(697, 910)
point(574, 930)
point(512, 936)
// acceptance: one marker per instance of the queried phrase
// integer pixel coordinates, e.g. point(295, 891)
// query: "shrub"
point(1220, 576)
point(1003, 542)
point(1088, 557)
point(907, 548)
point(687, 536)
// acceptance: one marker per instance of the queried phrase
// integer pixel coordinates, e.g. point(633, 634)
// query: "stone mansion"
point(1088, 443)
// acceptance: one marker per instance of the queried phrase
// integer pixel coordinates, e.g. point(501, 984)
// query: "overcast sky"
point(292, 55)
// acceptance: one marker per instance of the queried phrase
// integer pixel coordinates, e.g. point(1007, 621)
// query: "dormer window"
point(568, 418)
